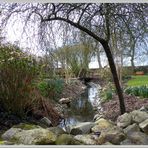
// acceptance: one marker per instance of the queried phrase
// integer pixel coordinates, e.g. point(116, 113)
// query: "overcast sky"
point(14, 33)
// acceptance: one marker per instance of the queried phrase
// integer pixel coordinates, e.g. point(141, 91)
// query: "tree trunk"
point(99, 59)
point(133, 54)
point(121, 70)
point(115, 76)
point(132, 63)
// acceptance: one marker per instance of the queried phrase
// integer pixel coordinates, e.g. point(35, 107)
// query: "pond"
point(83, 108)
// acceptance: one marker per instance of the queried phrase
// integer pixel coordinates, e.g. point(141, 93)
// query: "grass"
point(138, 80)
point(25, 126)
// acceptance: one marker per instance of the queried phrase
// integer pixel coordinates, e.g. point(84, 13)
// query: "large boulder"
point(139, 116)
point(82, 128)
point(127, 142)
point(144, 126)
point(2, 142)
point(107, 143)
point(97, 117)
point(136, 138)
point(29, 135)
point(113, 135)
point(124, 120)
point(57, 130)
point(101, 125)
point(132, 128)
point(45, 121)
point(9, 134)
point(144, 108)
point(66, 139)
point(86, 139)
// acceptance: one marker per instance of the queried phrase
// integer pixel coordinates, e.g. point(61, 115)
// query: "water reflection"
point(82, 108)
point(93, 95)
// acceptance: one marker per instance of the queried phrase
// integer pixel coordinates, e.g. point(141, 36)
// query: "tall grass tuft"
point(17, 74)
point(141, 91)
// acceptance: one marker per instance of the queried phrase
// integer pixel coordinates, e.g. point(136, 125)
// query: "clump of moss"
point(2, 142)
point(26, 126)
point(14, 140)
point(66, 139)
point(1, 133)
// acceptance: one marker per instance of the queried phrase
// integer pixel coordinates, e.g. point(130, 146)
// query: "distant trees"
point(76, 58)
point(135, 28)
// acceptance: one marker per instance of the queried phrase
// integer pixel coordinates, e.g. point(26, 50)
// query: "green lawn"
point(138, 80)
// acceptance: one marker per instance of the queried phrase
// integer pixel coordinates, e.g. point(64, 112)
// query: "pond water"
point(83, 108)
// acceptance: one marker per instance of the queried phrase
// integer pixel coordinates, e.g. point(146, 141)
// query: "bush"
point(126, 74)
point(51, 88)
point(141, 91)
point(107, 93)
point(105, 74)
point(126, 78)
point(17, 74)
point(127, 71)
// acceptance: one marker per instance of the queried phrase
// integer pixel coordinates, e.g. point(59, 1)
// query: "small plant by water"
point(141, 91)
point(51, 88)
point(107, 93)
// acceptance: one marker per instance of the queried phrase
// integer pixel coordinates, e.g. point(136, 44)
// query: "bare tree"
point(83, 18)
point(135, 27)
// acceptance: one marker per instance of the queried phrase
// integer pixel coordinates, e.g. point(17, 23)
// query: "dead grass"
point(111, 108)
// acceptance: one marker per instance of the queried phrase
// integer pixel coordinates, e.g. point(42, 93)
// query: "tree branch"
point(83, 11)
point(101, 40)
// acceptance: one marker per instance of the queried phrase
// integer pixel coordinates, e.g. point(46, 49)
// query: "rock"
point(113, 135)
point(95, 108)
point(104, 121)
point(57, 130)
point(139, 116)
point(8, 135)
point(144, 108)
point(136, 138)
point(132, 128)
point(64, 100)
point(68, 128)
point(144, 126)
point(82, 128)
point(66, 139)
point(6, 143)
point(124, 120)
point(46, 121)
point(26, 126)
point(107, 143)
point(84, 87)
point(59, 109)
point(101, 125)
point(101, 116)
point(97, 117)
point(86, 139)
point(91, 84)
point(29, 136)
point(127, 142)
